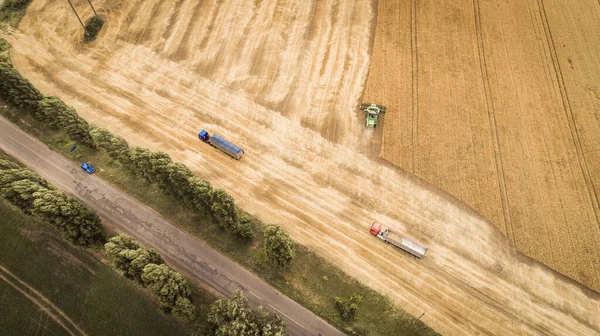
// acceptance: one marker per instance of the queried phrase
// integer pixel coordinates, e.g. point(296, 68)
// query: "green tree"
point(199, 195)
point(7, 165)
point(93, 27)
point(278, 246)
point(160, 170)
point(102, 137)
point(55, 112)
point(179, 178)
point(77, 223)
point(166, 283)
point(244, 228)
point(129, 257)
point(8, 176)
point(20, 193)
point(17, 90)
point(83, 226)
point(184, 308)
point(140, 159)
point(271, 324)
point(234, 317)
point(51, 110)
point(114, 248)
point(223, 208)
point(34, 195)
point(79, 130)
point(50, 205)
point(119, 150)
point(138, 259)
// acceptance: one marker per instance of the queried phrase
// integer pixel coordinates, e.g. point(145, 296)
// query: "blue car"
point(88, 168)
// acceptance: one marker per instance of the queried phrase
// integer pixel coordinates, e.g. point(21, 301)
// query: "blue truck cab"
point(203, 135)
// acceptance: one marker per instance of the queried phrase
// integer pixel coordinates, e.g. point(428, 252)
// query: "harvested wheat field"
point(498, 103)
point(283, 79)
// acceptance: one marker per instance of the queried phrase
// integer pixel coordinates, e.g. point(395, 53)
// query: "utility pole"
point(418, 318)
point(78, 18)
point(90, 2)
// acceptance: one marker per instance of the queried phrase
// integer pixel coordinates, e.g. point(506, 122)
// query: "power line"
point(90, 2)
point(78, 18)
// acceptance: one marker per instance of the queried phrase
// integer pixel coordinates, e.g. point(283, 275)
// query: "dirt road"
point(282, 79)
point(193, 258)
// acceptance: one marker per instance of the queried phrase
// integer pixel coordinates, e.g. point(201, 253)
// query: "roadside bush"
point(244, 228)
point(93, 27)
point(278, 246)
point(348, 308)
point(223, 208)
point(234, 317)
point(15, 4)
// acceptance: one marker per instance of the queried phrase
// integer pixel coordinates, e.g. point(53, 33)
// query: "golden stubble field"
point(498, 103)
point(283, 80)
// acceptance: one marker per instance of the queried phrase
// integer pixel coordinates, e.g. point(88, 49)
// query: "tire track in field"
point(415, 81)
point(172, 21)
point(256, 52)
point(147, 33)
point(569, 112)
point(188, 41)
point(41, 301)
point(280, 18)
point(184, 15)
point(294, 84)
point(508, 227)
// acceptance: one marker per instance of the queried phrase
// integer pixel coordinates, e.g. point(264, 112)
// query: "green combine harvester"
point(372, 113)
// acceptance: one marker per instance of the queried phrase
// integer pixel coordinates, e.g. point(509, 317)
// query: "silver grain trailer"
point(219, 142)
point(399, 240)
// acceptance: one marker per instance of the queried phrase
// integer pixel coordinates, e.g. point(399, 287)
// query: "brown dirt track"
point(497, 103)
point(282, 79)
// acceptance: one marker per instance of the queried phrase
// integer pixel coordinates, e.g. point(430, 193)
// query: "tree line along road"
point(192, 257)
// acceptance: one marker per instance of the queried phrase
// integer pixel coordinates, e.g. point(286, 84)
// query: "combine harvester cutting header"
point(399, 240)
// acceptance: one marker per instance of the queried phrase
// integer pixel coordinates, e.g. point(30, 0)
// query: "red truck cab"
point(375, 228)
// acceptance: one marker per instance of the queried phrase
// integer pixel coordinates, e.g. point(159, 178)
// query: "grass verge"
point(311, 280)
point(90, 293)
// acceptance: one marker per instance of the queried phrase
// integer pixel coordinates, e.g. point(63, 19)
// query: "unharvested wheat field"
point(498, 103)
point(283, 80)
